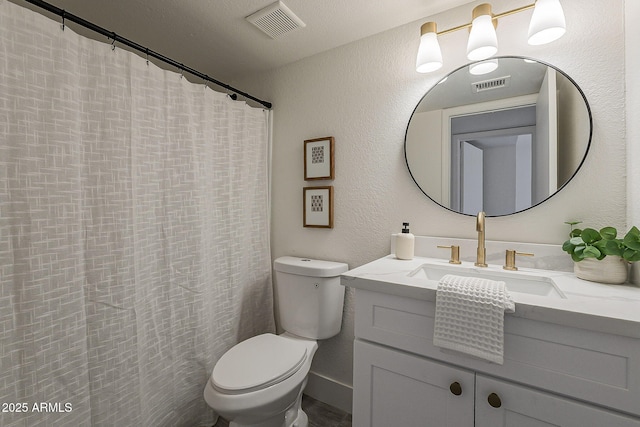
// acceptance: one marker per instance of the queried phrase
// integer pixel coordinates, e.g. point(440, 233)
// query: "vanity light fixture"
point(547, 24)
point(483, 41)
point(429, 53)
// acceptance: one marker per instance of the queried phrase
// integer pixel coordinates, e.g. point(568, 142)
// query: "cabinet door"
point(393, 388)
point(511, 405)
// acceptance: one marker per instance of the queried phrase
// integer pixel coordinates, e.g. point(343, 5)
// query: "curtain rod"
point(116, 38)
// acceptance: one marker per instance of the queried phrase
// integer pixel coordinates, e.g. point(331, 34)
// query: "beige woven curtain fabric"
point(134, 233)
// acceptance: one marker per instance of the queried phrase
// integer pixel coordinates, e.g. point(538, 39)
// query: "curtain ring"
point(147, 56)
point(63, 17)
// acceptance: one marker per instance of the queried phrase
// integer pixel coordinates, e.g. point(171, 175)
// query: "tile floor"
point(320, 415)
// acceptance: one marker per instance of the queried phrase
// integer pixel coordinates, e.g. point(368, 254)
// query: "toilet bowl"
point(259, 382)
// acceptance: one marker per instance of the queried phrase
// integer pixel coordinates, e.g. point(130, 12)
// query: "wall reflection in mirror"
point(499, 142)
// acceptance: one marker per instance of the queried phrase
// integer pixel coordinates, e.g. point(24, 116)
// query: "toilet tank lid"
point(309, 267)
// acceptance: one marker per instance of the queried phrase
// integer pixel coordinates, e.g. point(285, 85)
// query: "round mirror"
point(499, 142)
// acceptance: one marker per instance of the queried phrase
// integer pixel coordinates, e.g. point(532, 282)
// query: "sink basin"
point(516, 281)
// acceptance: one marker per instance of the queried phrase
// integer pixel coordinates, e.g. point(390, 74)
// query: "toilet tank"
point(309, 296)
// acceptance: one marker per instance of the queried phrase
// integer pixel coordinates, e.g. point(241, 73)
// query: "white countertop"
point(613, 309)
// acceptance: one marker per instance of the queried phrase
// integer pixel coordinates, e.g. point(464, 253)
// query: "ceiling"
point(213, 37)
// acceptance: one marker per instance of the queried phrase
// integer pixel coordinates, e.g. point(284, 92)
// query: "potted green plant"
point(600, 255)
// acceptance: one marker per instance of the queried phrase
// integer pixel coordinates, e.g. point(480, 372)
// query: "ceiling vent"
point(276, 20)
point(497, 83)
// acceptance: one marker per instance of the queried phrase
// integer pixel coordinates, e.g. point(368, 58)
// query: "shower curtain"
point(134, 232)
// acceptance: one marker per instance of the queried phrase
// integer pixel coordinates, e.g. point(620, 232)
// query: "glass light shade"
point(547, 22)
point(429, 54)
point(483, 41)
point(484, 67)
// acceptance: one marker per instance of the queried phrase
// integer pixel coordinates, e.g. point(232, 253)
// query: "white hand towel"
point(470, 316)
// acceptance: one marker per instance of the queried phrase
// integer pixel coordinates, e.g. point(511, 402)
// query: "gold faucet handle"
point(510, 259)
point(455, 253)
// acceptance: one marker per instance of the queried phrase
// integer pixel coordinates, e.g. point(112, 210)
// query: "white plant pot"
point(611, 270)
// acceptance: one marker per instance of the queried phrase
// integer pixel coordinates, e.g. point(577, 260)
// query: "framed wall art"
point(319, 160)
point(318, 207)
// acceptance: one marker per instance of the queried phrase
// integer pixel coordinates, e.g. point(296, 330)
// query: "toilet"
point(259, 382)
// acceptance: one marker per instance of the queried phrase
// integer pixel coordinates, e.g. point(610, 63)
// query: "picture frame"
point(318, 207)
point(319, 159)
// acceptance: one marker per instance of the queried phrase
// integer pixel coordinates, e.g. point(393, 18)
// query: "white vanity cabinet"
point(504, 404)
point(553, 375)
point(394, 388)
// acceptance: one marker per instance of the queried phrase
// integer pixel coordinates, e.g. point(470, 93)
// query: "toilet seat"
point(257, 363)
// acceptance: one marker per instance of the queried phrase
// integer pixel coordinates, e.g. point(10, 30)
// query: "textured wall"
point(363, 94)
point(632, 15)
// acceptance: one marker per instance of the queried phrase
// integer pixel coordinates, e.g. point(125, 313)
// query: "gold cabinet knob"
point(510, 259)
point(455, 253)
point(456, 388)
point(494, 400)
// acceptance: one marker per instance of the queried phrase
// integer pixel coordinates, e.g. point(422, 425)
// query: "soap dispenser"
point(404, 243)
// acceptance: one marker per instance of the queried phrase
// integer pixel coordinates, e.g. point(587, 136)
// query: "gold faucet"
point(481, 260)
